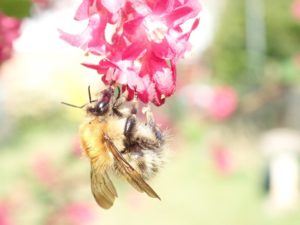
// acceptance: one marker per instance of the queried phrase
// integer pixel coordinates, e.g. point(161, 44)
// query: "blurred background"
point(234, 121)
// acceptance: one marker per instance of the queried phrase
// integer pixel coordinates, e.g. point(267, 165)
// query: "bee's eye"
point(102, 107)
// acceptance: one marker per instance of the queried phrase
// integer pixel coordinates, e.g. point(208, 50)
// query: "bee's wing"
point(131, 175)
point(102, 188)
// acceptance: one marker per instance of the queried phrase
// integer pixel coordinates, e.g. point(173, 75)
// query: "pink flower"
point(222, 159)
point(9, 31)
point(157, 27)
point(44, 170)
point(43, 3)
point(77, 213)
point(223, 103)
point(296, 9)
point(4, 214)
point(153, 80)
point(105, 7)
point(145, 42)
point(76, 148)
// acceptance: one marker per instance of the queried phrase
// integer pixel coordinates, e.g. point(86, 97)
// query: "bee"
point(118, 143)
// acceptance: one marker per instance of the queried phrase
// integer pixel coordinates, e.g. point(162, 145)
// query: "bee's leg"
point(119, 101)
point(117, 104)
point(134, 107)
point(149, 116)
point(131, 122)
point(151, 122)
point(129, 130)
point(130, 126)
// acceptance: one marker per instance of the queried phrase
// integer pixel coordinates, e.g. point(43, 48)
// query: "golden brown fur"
point(136, 155)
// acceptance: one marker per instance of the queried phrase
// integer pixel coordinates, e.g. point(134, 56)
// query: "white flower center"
point(155, 29)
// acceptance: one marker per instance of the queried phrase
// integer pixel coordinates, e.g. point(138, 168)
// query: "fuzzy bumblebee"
point(118, 143)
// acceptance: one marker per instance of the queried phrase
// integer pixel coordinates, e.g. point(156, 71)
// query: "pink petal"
point(91, 66)
point(158, 100)
point(163, 7)
point(147, 91)
point(131, 26)
point(131, 92)
point(158, 79)
point(75, 40)
point(178, 44)
point(183, 13)
point(179, 16)
point(163, 50)
point(105, 80)
point(98, 43)
point(151, 3)
point(113, 6)
point(164, 81)
point(119, 42)
point(134, 51)
point(102, 67)
point(194, 26)
point(92, 38)
point(83, 11)
point(105, 64)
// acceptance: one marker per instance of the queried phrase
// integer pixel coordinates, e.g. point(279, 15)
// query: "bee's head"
point(103, 105)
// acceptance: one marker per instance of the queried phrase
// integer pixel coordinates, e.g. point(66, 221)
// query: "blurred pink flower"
point(197, 96)
point(44, 170)
point(296, 9)
point(4, 214)
point(77, 213)
point(43, 3)
point(223, 103)
point(76, 148)
point(146, 42)
point(9, 31)
point(222, 159)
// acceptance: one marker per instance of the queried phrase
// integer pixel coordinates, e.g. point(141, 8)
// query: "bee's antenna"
point(90, 96)
point(89, 91)
point(80, 107)
point(74, 106)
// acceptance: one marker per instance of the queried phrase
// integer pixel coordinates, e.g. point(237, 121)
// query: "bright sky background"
point(40, 33)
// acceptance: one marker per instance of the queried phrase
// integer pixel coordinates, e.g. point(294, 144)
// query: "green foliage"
point(229, 53)
point(16, 8)
point(283, 31)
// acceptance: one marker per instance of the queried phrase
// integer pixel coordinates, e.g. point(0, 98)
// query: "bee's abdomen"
point(144, 151)
point(147, 162)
